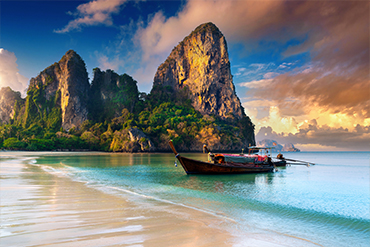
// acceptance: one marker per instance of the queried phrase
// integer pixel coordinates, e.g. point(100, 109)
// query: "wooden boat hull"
point(192, 166)
point(279, 163)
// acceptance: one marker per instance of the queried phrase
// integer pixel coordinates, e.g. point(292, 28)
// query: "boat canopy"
point(255, 147)
point(237, 158)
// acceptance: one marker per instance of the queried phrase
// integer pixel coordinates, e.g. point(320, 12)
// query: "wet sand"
point(40, 208)
point(46, 208)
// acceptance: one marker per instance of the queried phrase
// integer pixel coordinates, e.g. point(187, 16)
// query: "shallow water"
point(326, 204)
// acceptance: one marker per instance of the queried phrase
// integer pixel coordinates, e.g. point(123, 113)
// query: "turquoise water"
point(327, 204)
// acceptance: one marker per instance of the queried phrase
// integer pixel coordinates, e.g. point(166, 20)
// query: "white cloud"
point(240, 71)
point(314, 129)
point(105, 62)
point(9, 76)
point(280, 124)
point(285, 65)
point(255, 72)
point(162, 34)
point(93, 13)
point(261, 66)
point(257, 83)
point(245, 22)
point(145, 75)
point(270, 75)
point(284, 98)
point(313, 90)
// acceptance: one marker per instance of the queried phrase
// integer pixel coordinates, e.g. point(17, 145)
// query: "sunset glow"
point(301, 68)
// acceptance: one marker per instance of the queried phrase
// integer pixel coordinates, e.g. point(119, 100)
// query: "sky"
point(300, 68)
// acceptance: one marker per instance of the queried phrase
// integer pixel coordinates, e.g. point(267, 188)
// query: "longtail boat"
point(280, 160)
point(266, 152)
point(224, 164)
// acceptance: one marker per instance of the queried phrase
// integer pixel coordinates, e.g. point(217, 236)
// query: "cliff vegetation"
point(193, 102)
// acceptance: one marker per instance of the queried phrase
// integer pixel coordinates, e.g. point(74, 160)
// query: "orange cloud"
point(332, 90)
point(325, 137)
point(251, 21)
point(348, 93)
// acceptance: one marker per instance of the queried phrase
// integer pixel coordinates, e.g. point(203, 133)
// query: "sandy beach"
point(39, 208)
point(42, 207)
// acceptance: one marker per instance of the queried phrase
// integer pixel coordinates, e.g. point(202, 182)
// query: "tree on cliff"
point(193, 101)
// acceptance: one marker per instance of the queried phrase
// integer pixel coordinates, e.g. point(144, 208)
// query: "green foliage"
point(38, 110)
point(14, 144)
point(91, 140)
point(48, 80)
point(128, 94)
point(122, 93)
point(162, 115)
point(34, 130)
point(69, 142)
point(39, 145)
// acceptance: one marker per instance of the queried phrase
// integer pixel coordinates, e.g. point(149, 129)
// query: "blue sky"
point(300, 67)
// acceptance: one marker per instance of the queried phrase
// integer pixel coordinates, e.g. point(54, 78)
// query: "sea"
point(326, 204)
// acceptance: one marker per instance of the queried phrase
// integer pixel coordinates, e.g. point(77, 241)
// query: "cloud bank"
point(314, 137)
point(9, 76)
point(331, 87)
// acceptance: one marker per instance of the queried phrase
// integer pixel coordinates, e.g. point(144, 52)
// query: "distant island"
point(289, 147)
point(192, 101)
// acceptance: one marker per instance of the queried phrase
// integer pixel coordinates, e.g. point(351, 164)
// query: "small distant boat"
point(226, 163)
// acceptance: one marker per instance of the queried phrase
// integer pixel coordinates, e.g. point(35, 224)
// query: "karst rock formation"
point(201, 64)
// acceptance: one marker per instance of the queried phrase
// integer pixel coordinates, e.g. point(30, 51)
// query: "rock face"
point(270, 143)
point(131, 140)
point(141, 139)
point(101, 93)
point(290, 148)
point(8, 98)
point(201, 64)
point(68, 78)
point(196, 74)
point(103, 83)
point(110, 93)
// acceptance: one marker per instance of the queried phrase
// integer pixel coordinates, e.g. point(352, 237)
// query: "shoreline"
point(40, 207)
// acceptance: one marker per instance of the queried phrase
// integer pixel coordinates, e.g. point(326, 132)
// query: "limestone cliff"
point(110, 93)
point(270, 143)
point(131, 140)
point(278, 147)
point(201, 64)
point(66, 84)
point(8, 100)
point(193, 102)
point(290, 148)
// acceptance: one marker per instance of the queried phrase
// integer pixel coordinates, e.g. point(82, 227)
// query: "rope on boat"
point(176, 156)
